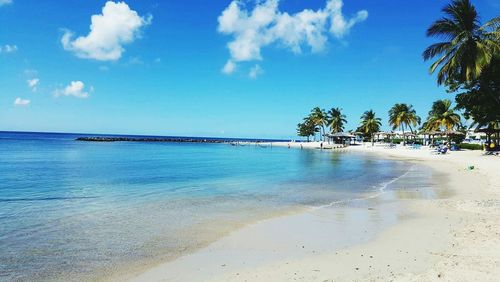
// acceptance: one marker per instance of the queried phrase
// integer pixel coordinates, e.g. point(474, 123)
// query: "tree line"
point(441, 117)
point(467, 63)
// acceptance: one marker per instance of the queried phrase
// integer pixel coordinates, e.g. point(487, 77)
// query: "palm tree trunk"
point(404, 137)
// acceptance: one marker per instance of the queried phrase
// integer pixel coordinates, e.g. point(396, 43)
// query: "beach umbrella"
point(409, 134)
point(342, 135)
point(491, 130)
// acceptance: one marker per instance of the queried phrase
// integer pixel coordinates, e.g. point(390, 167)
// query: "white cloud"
point(8, 48)
point(339, 25)
point(33, 83)
point(117, 26)
point(265, 25)
point(255, 71)
point(75, 89)
point(229, 67)
point(5, 2)
point(21, 102)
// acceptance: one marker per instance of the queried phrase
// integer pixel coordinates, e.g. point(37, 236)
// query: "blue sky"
point(157, 67)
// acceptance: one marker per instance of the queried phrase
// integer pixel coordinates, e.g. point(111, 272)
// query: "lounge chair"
point(492, 153)
point(390, 146)
point(414, 146)
point(441, 151)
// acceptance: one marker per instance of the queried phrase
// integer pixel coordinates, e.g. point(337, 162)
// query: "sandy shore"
point(455, 238)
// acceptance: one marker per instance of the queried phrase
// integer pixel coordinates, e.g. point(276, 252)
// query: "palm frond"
point(436, 49)
point(443, 28)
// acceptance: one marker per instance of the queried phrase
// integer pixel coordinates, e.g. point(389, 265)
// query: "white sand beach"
point(451, 238)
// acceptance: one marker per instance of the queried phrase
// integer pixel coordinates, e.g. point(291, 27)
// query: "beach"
point(452, 237)
point(238, 140)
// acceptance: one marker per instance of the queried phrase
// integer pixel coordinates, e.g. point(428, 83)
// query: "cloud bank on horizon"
point(265, 25)
point(115, 27)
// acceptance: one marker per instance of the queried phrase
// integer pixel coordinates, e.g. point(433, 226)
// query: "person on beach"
point(321, 145)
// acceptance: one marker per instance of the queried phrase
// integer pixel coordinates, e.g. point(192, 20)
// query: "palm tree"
point(336, 120)
point(370, 124)
point(306, 128)
point(319, 117)
point(402, 115)
point(467, 47)
point(442, 115)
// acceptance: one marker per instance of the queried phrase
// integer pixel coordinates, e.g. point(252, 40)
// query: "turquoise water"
point(74, 209)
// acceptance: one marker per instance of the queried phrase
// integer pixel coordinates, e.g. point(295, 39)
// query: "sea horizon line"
point(83, 134)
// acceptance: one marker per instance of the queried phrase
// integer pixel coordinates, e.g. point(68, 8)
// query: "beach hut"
point(409, 135)
point(431, 135)
point(453, 132)
point(489, 131)
point(341, 137)
point(384, 134)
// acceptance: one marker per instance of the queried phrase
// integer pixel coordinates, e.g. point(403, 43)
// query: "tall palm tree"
point(467, 47)
point(370, 123)
point(319, 117)
point(336, 120)
point(403, 115)
point(442, 115)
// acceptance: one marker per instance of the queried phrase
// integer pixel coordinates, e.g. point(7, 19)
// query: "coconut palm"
point(319, 117)
point(336, 120)
point(403, 115)
point(467, 47)
point(370, 123)
point(442, 115)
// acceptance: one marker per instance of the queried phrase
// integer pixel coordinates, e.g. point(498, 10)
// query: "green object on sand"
point(471, 167)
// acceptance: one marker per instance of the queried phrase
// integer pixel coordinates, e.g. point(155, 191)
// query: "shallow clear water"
point(76, 208)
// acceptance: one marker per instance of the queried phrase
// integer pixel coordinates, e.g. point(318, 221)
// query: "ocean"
point(76, 210)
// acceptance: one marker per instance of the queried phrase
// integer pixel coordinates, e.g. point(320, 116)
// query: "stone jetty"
point(150, 139)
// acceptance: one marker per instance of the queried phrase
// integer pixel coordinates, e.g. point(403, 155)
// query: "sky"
point(211, 68)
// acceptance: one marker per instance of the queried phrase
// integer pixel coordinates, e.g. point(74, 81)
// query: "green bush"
point(396, 140)
point(457, 139)
point(469, 146)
